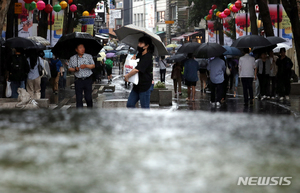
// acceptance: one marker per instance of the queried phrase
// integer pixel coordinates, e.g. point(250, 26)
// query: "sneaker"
point(256, 97)
point(264, 96)
point(281, 98)
point(268, 97)
point(218, 104)
point(213, 104)
point(287, 98)
point(180, 94)
point(273, 98)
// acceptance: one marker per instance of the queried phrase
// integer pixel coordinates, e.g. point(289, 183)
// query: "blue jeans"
point(143, 97)
point(236, 80)
point(14, 88)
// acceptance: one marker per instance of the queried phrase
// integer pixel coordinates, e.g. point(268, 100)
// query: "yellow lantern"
point(218, 13)
point(231, 7)
point(85, 13)
point(63, 4)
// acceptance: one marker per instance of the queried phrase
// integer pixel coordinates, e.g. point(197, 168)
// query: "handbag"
point(228, 72)
point(8, 91)
point(41, 69)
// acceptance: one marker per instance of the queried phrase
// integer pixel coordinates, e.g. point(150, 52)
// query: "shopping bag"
point(8, 89)
point(130, 65)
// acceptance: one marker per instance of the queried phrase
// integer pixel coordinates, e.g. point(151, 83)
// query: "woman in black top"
point(142, 91)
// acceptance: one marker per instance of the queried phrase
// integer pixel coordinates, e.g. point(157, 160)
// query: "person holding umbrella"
point(191, 68)
point(82, 64)
point(142, 91)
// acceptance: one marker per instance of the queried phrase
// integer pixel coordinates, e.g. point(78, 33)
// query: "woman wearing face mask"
point(142, 91)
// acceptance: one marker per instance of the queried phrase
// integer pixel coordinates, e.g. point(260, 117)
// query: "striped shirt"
point(76, 61)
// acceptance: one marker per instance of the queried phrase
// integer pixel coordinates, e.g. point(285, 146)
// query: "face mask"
point(140, 49)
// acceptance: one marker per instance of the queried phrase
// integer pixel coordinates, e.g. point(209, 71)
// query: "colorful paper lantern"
point(235, 9)
point(205, 17)
point(229, 4)
point(223, 15)
point(215, 11)
point(214, 7)
point(85, 13)
point(227, 12)
point(30, 6)
point(28, 1)
point(70, 1)
point(218, 13)
point(40, 5)
point(73, 8)
point(231, 7)
point(209, 17)
point(57, 8)
point(238, 4)
point(48, 8)
point(63, 4)
point(211, 12)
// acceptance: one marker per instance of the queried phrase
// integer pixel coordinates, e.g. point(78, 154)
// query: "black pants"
point(273, 80)
point(284, 86)
point(247, 86)
point(231, 80)
point(264, 84)
point(225, 85)
point(220, 90)
point(163, 75)
point(44, 82)
point(86, 87)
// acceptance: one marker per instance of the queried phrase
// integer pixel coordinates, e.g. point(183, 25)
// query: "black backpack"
point(53, 69)
point(19, 68)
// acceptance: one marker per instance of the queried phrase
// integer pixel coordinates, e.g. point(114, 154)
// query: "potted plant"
point(155, 93)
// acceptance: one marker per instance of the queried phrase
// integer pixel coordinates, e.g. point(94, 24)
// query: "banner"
point(150, 15)
point(212, 36)
point(26, 21)
point(226, 29)
point(240, 22)
point(57, 27)
point(88, 25)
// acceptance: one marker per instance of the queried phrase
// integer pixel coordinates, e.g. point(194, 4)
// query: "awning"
point(184, 36)
point(160, 33)
point(178, 38)
point(190, 34)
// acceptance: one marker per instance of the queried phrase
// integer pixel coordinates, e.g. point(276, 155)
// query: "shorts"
point(109, 71)
point(190, 83)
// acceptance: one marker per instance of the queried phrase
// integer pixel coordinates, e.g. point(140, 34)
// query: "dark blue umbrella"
point(232, 51)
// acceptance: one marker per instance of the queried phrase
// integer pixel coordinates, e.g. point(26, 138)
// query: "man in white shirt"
point(246, 69)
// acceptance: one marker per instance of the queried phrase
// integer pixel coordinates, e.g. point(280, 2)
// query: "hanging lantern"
point(214, 7)
point(30, 6)
point(48, 9)
point(218, 13)
point(215, 11)
point(229, 5)
point(238, 4)
point(227, 12)
point(40, 5)
point(57, 8)
point(63, 4)
point(73, 8)
point(235, 9)
point(209, 17)
point(28, 1)
point(85, 13)
point(70, 2)
point(230, 8)
point(205, 18)
point(211, 12)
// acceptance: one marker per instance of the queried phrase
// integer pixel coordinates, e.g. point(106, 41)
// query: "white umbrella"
point(130, 35)
point(279, 46)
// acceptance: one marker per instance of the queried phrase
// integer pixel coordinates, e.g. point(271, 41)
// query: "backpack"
point(19, 69)
point(109, 63)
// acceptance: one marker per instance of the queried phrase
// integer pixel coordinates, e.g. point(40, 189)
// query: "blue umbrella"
point(232, 51)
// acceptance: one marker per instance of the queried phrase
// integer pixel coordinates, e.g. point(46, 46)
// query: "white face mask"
point(53, 57)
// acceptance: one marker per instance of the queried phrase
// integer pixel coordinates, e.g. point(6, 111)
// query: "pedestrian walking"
point(262, 72)
point(246, 70)
point(46, 76)
point(55, 67)
point(33, 85)
point(162, 68)
point(109, 66)
point(176, 76)
point(191, 68)
point(18, 70)
point(203, 74)
point(142, 91)
point(233, 64)
point(217, 69)
point(284, 74)
point(273, 74)
point(82, 64)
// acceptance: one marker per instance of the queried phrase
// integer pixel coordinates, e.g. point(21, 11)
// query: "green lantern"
point(215, 11)
point(30, 6)
point(205, 17)
point(229, 5)
point(57, 8)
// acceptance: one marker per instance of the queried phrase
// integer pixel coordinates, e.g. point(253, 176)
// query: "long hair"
point(147, 41)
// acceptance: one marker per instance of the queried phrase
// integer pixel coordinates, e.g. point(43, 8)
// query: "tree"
point(291, 8)
point(4, 5)
point(265, 17)
point(253, 18)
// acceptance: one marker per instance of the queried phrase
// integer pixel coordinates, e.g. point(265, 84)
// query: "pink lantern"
point(40, 5)
point(235, 9)
point(211, 12)
point(73, 8)
point(223, 15)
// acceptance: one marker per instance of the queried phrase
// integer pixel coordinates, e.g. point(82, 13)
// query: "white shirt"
point(247, 66)
point(162, 64)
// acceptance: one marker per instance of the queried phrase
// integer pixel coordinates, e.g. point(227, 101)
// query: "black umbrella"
point(251, 41)
point(111, 51)
point(275, 40)
point(19, 42)
point(260, 49)
point(176, 58)
point(208, 50)
point(189, 47)
point(65, 47)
